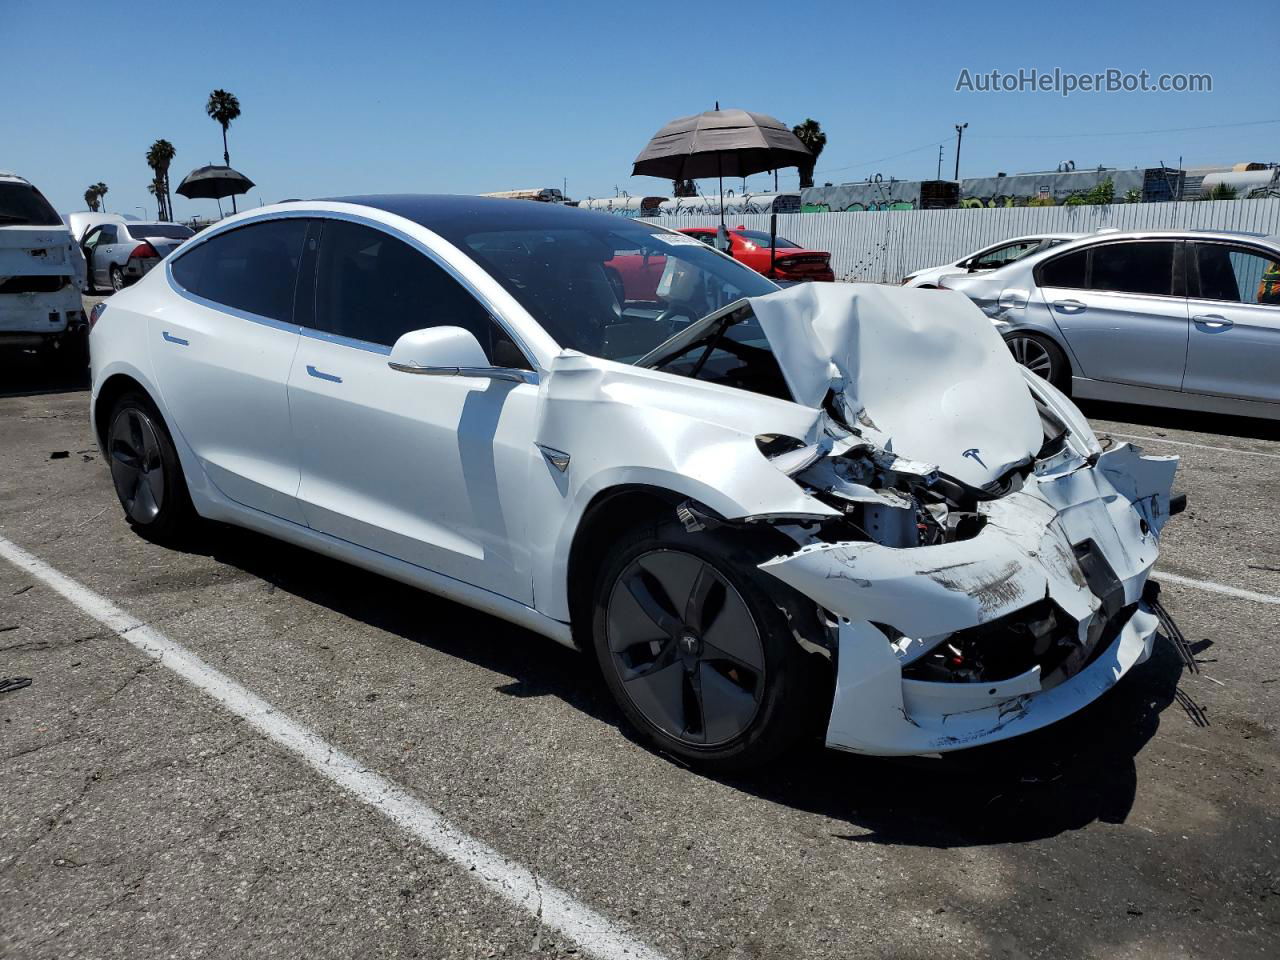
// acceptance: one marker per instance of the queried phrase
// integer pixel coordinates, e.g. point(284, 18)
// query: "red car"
point(793, 262)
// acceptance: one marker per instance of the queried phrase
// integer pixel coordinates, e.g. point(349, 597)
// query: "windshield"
point(614, 289)
point(24, 205)
point(167, 231)
point(761, 239)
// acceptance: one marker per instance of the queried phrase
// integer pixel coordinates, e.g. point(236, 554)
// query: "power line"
point(867, 163)
point(1118, 133)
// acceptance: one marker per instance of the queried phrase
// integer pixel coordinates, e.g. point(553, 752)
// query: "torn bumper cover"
point(957, 644)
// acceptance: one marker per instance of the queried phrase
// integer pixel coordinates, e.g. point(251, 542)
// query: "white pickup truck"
point(41, 272)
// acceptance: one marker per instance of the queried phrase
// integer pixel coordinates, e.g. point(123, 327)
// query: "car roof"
point(486, 212)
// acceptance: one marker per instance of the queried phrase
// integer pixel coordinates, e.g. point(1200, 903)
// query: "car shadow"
point(1058, 779)
point(1062, 778)
point(26, 373)
point(1163, 418)
point(535, 665)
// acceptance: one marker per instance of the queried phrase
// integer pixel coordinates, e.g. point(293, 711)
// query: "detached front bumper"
point(1073, 548)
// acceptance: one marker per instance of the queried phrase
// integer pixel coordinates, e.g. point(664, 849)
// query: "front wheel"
point(146, 472)
point(697, 648)
point(1041, 356)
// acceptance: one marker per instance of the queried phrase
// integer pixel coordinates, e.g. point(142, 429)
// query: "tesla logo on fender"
point(973, 453)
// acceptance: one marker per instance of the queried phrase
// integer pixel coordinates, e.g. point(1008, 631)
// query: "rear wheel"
point(145, 470)
point(696, 647)
point(117, 278)
point(1041, 356)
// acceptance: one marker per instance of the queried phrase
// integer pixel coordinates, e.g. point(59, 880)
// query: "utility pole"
point(939, 176)
point(960, 128)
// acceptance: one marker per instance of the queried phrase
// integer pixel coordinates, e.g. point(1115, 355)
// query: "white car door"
point(1234, 345)
point(431, 470)
point(223, 360)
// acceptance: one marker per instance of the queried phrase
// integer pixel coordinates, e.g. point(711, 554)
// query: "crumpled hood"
point(921, 372)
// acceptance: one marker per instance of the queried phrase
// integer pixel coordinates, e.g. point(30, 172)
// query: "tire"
point(146, 472)
point(1041, 356)
point(117, 279)
point(668, 668)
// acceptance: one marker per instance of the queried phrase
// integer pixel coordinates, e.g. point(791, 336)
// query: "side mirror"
point(449, 352)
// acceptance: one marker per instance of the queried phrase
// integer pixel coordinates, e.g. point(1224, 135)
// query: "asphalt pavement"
point(141, 818)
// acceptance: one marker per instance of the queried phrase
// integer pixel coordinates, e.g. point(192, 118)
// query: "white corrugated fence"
point(886, 245)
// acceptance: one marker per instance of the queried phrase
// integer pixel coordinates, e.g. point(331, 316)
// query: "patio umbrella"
point(213, 183)
point(720, 143)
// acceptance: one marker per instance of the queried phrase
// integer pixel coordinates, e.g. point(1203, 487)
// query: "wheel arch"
point(610, 512)
point(113, 388)
point(1030, 329)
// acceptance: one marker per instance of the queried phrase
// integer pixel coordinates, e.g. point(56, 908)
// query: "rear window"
point(253, 268)
point(21, 204)
point(167, 231)
point(1068, 270)
point(761, 239)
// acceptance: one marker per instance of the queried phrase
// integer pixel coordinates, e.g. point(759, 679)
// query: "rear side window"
point(1133, 268)
point(1068, 270)
point(110, 234)
point(373, 287)
point(253, 268)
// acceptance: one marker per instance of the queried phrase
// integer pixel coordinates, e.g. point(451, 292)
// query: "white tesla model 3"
point(766, 512)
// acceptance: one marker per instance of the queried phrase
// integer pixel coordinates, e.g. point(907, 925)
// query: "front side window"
point(1237, 274)
point(252, 268)
point(1144, 267)
point(373, 287)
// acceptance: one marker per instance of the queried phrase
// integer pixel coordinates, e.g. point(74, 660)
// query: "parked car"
point(40, 275)
point(82, 221)
point(792, 261)
point(989, 258)
point(766, 512)
point(1186, 319)
point(119, 253)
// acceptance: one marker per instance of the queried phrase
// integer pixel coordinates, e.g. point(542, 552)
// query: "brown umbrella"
point(720, 143)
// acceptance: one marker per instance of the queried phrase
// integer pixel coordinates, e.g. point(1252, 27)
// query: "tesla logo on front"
point(973, 452)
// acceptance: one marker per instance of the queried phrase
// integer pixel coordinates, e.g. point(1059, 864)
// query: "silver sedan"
point(117, 254)
point(1185, 319)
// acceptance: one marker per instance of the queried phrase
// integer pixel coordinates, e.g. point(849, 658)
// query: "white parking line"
point(1217, 588)
point(596, 934)
point(1200, 446)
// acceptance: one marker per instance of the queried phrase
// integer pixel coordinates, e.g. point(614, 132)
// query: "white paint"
point(1200, 446)
point(1221, 588)
point(514, 883)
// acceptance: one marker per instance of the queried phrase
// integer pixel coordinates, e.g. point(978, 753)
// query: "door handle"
point(1213, 321)
point(172, 339)
point(321, 375)
point(1073, 305)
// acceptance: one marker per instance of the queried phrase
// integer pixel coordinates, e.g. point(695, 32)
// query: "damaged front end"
point(971, 596)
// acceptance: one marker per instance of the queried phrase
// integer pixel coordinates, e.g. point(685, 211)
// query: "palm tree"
point(159, 156)
point(224, 107)
point(810, 134)
point(91, 199)
point(100, 189)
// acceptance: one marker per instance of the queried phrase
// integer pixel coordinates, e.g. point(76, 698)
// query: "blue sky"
point(470, 97)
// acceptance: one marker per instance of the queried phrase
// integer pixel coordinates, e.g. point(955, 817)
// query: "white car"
point(41, 271)
point(766, 512)
point(989, 258)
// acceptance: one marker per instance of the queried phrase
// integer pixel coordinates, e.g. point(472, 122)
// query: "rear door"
point(223, 360)
point(1122, 310)
point(1234, 347)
